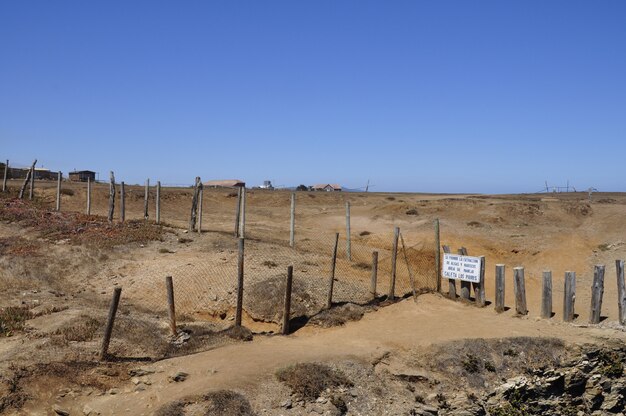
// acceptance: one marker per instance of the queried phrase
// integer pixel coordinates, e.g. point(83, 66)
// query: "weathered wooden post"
point(348, 238)
point(200, 201)
point(479, 289)
point(569, 296)
point(194, 206)
point(292, 223)
point(438, 255)
point(59, 178)
point(242, 225)
point(158, 203)
point(6, 176)
point(88, 196)
point(331, 282)
point(465, 286)
point(122, 201)
point(111, 196)
point(146, 195)
point(238, 212)
point(519, 287)
point(287, 304)
point(31, 193)
point(500, 284)
point(28, 178)
point(546, 297)
point(240, 259)
point(374, 274)
point(108, 331)
point(621, 291)
point(394, 258)
point(451, 282)
point(597, 291)
point(169, 284)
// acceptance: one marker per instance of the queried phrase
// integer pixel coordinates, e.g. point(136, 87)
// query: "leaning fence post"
point(331, 283)
point(348, 239)
point(28, 178)
point(122, 202)
point(519, 287)
point(287, 304)
point(31, 193)
point(6, 176)
point(597, 290)
point(200, 199)
point(500, 284)
point(451, 282)
point(238, 212)
point(111, 196)
point(169, 284)
point(465, 286)
point(88, 196)
point(621, 291)
point(569, 296)
point(292, 223)
point(546, 297)
point(110, 320)
point(158, 203)
point(438, 255)
point(479, 289)
point(240, 259)
point(59, 178)
point(374, 274)
point(394, 258)
point(146, 195)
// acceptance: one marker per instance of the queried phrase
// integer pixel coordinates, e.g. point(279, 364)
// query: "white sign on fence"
point(459, 267)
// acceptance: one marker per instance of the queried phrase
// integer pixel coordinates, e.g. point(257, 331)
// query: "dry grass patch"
point(13, 319)
point(216, 403)
point(309, 380)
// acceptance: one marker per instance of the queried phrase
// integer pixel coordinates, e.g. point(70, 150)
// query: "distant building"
point(267, 185)
point(45, 174)
point(225, 183)
point(82, 176)
point(327, 187)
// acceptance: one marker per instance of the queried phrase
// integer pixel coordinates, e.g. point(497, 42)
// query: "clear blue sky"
point(436, 96)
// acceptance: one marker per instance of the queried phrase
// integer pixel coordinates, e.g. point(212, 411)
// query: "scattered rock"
point(178, 377)
point(60, 411)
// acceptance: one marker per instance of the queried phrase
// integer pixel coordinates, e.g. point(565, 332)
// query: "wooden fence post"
point(242, 224)
point(408, 267)
point(292, 223)
point(111, 196)
point(146, 196)
point(465, 286)
point(500, 284)
point(88, 196)
point(331, 283)
point(122, 201)
point(519, 287)
point(59, 179)
point(287, 304)
point(31, 193)
point(374, 274)
point(621, 291)
point(479, 289)
point(6, 176)
point(240, 259)
point(569, 296)
point(110, 321)
point(438, 255)
point(169, 284)
point(597, 291)
point(546, 297)
point(394, 258)
point(200, 201)
point(194, 206)
point(27, 180)
point(348, 237)
point(238, 212)
point(158, 202)
point(451, 282)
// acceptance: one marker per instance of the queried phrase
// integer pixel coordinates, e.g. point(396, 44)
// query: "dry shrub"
point(67, 191)
point(270, 264)
point(12, 319)
point(474, 224)
point(309, 380)
point(18, 246)
point(338, 315)
point(220, 402)
point(362, 265)
point(364, 233)
point(411, 211)
point(81, 331)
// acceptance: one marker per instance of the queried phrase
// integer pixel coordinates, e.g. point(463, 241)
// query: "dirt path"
point(399, 327)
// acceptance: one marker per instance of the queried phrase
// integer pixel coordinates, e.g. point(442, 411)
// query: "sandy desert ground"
point(61, 281)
